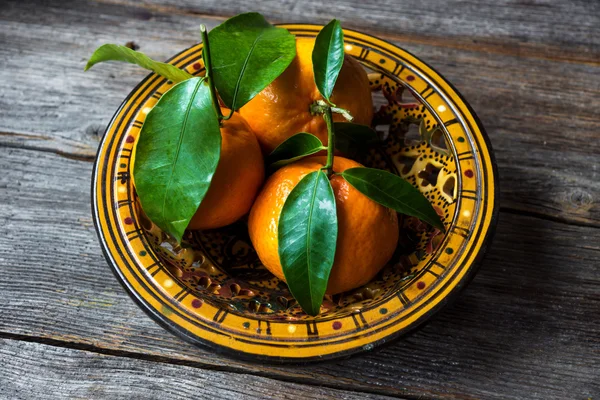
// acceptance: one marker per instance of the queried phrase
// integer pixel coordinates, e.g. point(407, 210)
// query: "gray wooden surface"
point(528, 327)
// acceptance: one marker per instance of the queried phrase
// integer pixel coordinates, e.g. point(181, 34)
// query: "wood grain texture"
point(559, 30)
point(541, 115)
point(61, 373)
point(525, 327)
point(48, 101)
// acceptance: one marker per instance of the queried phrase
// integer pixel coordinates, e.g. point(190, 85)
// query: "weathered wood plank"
point(559, 30)
point(39, 371)
point(526, 325)
point(541, 115)
point(47, 101)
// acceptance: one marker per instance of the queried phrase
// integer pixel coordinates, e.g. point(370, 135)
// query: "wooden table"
point(528, 327)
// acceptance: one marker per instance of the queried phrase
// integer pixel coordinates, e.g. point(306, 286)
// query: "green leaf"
point(328, 57)
point(352, 139)
point(294, 148)
point(394, 192)
point(248, 54)
point(113, 52)
point(307, 238)
point(177, 155)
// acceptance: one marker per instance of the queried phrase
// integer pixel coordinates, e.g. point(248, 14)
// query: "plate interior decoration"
point(213, 290)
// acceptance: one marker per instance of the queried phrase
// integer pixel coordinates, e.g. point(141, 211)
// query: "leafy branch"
point(179, 146)
point(306, 233)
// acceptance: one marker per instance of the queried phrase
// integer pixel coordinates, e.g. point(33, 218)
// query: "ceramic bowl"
point(212, 290)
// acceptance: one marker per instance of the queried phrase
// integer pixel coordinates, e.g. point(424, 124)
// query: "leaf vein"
point(310, 216)
point(243, 71)
point(179, 144)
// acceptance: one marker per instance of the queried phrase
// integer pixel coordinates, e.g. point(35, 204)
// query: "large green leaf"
point(307, 239)
point(113, 52)
point(177, 155)
point(294, 148)
point(328, 57)
point(394, 192)
point(352, 139)
point(248, 54)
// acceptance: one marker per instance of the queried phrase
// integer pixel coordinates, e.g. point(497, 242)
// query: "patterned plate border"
point(158, 293)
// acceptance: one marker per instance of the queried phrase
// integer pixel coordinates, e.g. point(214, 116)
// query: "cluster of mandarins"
point(367, 231)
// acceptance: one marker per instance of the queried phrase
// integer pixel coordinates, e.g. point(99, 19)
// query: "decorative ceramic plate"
point(212, 290)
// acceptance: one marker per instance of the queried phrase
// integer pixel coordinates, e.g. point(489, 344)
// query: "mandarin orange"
point(282, 109)
point(237, 180)
point(367, 231)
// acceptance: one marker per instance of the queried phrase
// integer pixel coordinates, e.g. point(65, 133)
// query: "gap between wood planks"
point(525, 50)
point(205, 366)
point(539, 215)
point(70, 373)
point(73, 156)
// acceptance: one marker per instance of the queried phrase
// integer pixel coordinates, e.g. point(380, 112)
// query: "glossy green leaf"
point(177, 155)
point(113, 52)
point(294, 148)
point(394, 192)
point(307, 239)
point(248, 54)
point(328, 57)
point(352, 139)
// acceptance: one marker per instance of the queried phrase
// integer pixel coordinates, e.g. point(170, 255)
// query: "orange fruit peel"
point(367, 232)
point(282, 109)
